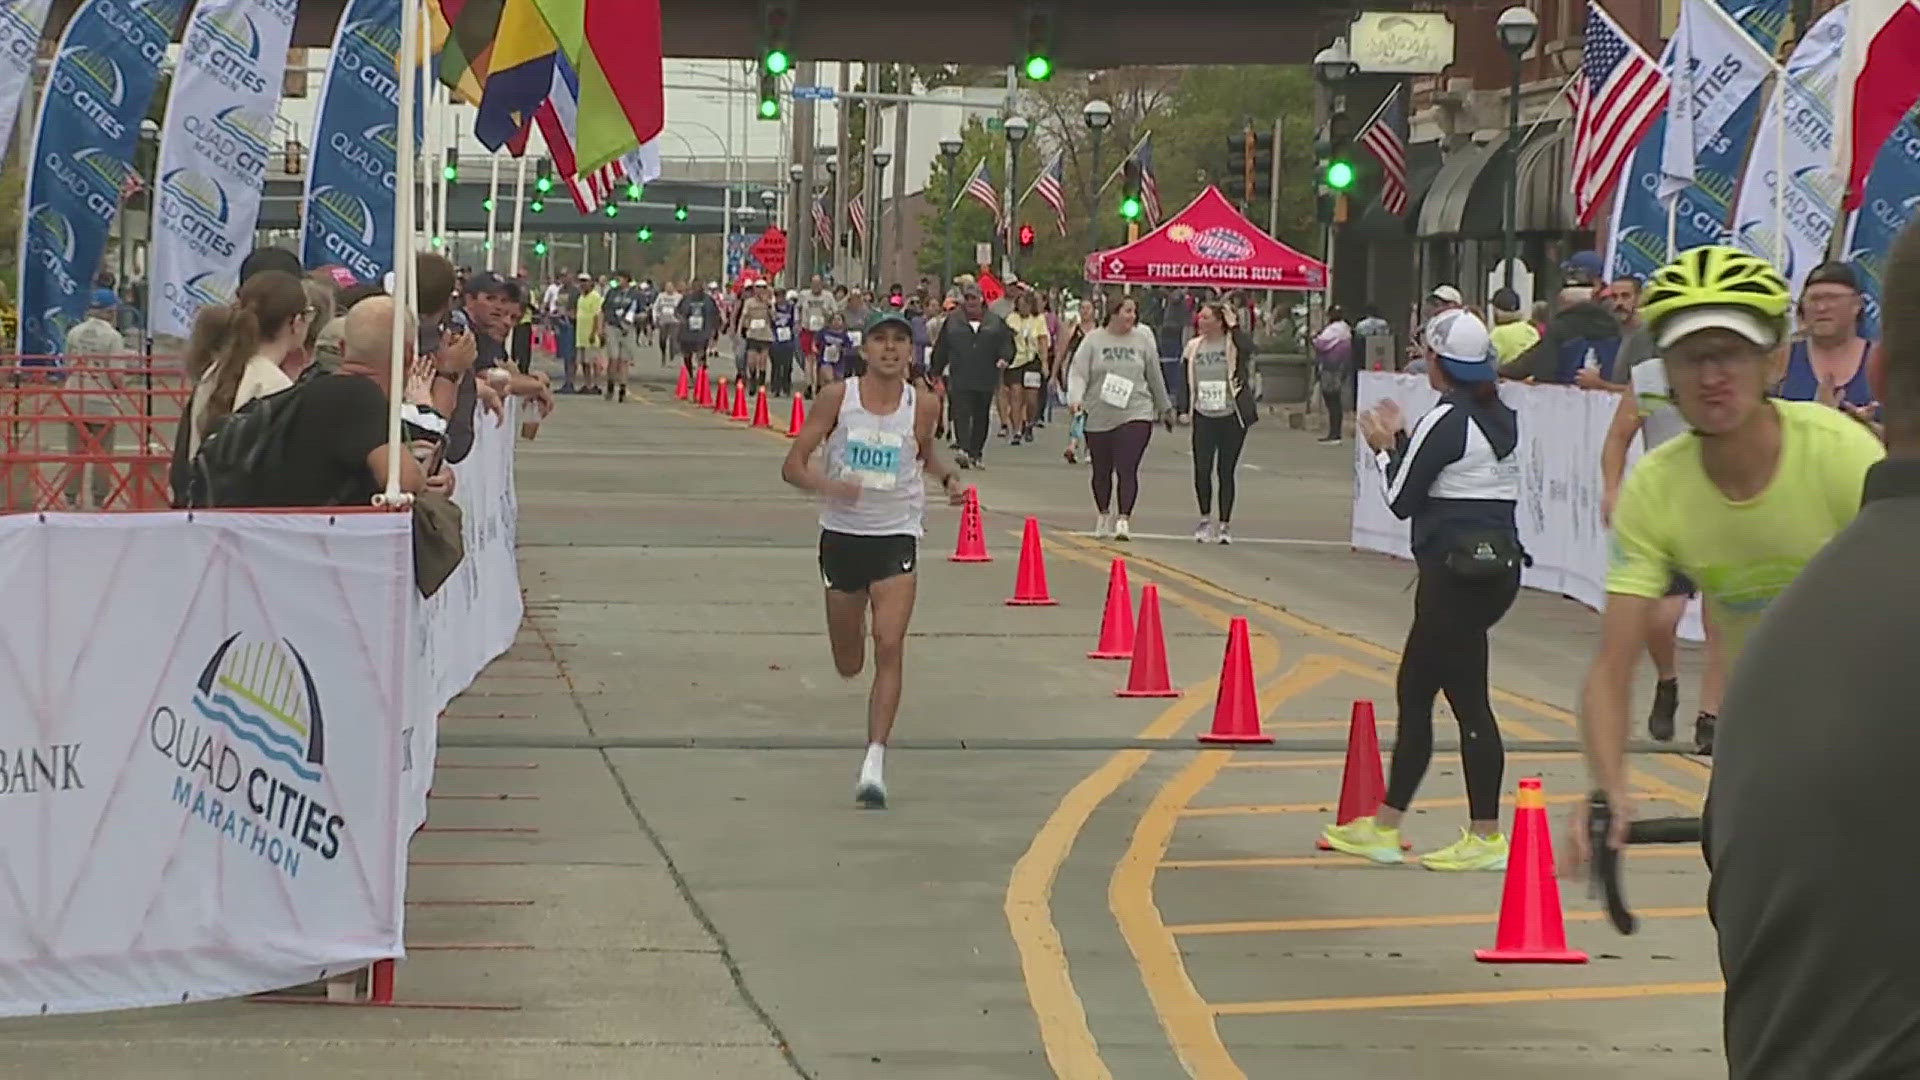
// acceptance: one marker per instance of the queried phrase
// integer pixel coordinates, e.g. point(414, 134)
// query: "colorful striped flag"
point(558, 116)
point(1619, 92)
point(615, 49)
point(1385, 137)
point(463, 34)
point(980, 186)
point(1051, 186)
point(519, 74)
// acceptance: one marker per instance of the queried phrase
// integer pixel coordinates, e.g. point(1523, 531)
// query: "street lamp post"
point(1331, 68)
point(1017, 129)
point(950, 152)
point(1098, 115)
point(876, 213)
point(1518, 28)
point(799, 220)
point(833, 243)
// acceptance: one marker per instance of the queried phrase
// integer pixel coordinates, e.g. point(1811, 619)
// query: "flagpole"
point(403, 208)
point(450, 134)
point(519, 209)
point(1780, 166)
point(493, 203)
point(1673, 224)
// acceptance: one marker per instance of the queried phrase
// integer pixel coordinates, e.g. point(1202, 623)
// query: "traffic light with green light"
point(543, 176)
point(613, 209)
point(1036, 60)
point(1131, 205)
point(776, 16)
point(644, 234)
point(680, 212)
point(451, 170)
point(487, 205)
point(769, 97)
point(634, 190)
point(537, 205)
point(539, 247)
point(1339, 174)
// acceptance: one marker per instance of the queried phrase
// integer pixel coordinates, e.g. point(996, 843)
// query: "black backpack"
point(240, 455)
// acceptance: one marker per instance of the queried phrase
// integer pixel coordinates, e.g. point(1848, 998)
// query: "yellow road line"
point(1277, 762)
point(1397, 922)
point(1332, 861)
point(1469, 997)
point(1327, 805)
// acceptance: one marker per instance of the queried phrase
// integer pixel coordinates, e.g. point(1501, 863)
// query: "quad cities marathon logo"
point(251, 750)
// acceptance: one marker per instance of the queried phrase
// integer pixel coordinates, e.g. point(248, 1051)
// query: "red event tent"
point(1208, 245)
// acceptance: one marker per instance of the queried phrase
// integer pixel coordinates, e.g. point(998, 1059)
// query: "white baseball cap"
point(1742, 321)
point(1446, 294)
point(1465, 349)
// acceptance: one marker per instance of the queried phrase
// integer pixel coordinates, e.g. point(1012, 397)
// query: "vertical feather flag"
point(615, 49)
point(519, 74)
point(466, 50)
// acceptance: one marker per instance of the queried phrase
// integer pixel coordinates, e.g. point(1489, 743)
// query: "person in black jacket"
point(1458, 478)
point(975, 346)
point(1583, 333)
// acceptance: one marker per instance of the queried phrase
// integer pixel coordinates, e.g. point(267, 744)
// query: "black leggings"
point(1119, 450)
point(1446, 652)
point(1216, 438)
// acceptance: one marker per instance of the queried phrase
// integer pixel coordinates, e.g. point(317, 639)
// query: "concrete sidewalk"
point(643, 843)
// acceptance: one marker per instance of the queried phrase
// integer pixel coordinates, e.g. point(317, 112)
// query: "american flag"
point(857, 215)
point(558, 117)
point(1617, 94)
point(1051, 186)
point(131, 186)
point(980, 186)
point(822, 224)
point(1385, 137)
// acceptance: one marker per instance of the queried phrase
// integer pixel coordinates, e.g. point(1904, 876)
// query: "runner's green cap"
point(888, 315)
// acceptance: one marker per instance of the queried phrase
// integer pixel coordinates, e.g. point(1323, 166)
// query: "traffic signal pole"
point(493, 203)
point(1273, 187)
point(519, 208)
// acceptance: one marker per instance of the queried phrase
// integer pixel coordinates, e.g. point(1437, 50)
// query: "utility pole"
point(1273, 186)
point(842, 175)
point(896, 233)
point(800, 219)
point(870, 179)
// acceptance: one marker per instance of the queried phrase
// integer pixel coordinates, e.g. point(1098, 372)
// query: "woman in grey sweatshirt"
point(1116, 383)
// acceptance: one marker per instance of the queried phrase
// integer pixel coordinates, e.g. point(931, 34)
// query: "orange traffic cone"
point(1236, 709)
point(1116, 625)
point(1147, 675)
point(680, 385)
point(1362, 786)
point(702, 390)
point(797, 419)
point(1532, 928)
point(971, 546)
point(1030, 581)
point(740, 401)
point(720, 398)
point(761, 418)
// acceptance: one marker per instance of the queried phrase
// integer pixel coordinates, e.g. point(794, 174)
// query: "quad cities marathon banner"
point(102, 80)
point(1811, 191)
point(349, 199)
point(1890, 199)
point(21, 23)
point(1637, 244)
point(209, 775)
point(213, 154)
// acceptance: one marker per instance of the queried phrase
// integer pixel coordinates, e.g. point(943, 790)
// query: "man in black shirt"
point(1814, 877)
point(975, 346)
point(336, 450)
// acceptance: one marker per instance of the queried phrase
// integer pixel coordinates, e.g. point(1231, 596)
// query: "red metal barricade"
point(88, 433)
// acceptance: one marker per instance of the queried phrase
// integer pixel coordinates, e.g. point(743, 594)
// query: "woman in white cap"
point(1458, 477)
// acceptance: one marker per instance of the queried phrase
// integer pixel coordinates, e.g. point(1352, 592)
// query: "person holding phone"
point(1115, 382)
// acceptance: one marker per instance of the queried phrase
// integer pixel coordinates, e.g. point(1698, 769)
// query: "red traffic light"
point(1026, 236)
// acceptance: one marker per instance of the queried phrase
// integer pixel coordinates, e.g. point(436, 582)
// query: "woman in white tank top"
point(877, 433)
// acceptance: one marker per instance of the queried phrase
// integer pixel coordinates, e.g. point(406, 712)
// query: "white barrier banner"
point(1562, 430)
point(213, 153)
point(476, 614)
point(200, 753)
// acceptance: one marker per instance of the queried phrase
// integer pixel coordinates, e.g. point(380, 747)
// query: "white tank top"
point(880, 454)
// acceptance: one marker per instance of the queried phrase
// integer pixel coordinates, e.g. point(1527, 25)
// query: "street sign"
point(813, 93)
point(983, 254)
point(770, 251)
point(993, 123)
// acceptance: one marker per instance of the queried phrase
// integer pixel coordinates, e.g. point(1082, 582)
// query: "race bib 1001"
point(1116, 390)
point(1210, 395)
point(873, 458)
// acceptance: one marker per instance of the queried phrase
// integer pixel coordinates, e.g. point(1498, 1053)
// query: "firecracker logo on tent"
point(1221, 244)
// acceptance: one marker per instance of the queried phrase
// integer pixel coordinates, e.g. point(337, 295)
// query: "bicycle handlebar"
point(1605, 881)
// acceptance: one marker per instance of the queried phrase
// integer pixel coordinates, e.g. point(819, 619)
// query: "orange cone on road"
point(1236, 708)
point(761, 417)
point(702, 389)
point(971, 545)
point(797, 419)
point(1362, 786)
point(740, 401)
point(680, 385)
point(1533, 929)
point(1147, 675)
point(719, 401)
point(1030, 581)
point(1116, 624)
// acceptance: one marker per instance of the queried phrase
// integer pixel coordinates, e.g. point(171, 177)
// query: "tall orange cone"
point(680, 385)
point(740, 401)
point(1236, 708)
point(718, 400)
point(761, 417)
point(971, 545)
point(702, 389)
point(797, 419)
point(1532, 927)
point(1362, 787)
point(1116, 624)
point(1030, 581)
point(1147, 675)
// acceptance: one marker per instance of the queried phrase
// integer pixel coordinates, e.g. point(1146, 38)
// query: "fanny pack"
point(1485, 553)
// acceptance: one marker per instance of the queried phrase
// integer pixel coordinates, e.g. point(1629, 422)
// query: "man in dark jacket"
point(974, 348)
point(1583, 332)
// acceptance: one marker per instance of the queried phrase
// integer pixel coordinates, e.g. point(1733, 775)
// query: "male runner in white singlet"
point(878, 433)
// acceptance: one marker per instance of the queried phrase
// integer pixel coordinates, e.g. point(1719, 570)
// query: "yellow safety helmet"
point(1726, 288)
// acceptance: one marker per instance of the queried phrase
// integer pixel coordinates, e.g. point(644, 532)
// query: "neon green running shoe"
point(1366, 838)
point(1471, 852)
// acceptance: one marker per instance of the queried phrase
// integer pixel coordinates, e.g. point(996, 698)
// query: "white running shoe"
point(1223, 535)
point(1203, 533)
point(1122, 530)
point(1103, 526)
point(871, 794)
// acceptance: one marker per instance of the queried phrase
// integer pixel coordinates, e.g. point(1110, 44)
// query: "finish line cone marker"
point(1236, 708)
point(761, 418)
point(972, 543)
point(1116, 625)
point(680, 385)
point(797, 419)
point(1362, 787)
point(1147, 675)
point(1532, 927)
point(1030, 581)
point(739, 401)
point(720, 399)
point(702, 390)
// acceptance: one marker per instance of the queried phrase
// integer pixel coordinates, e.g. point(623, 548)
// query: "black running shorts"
point(850, 563)
point(1681, 585)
